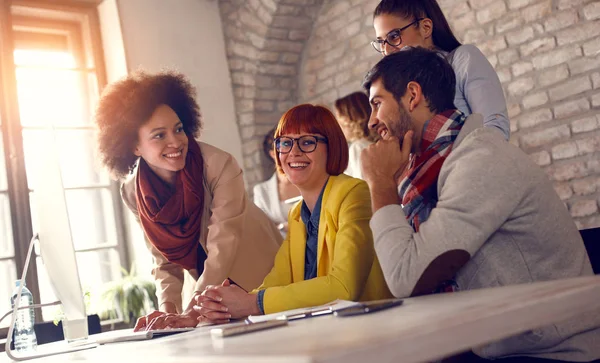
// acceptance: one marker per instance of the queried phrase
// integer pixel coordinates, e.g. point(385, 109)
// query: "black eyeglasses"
point(393, 38)
point(306, 144)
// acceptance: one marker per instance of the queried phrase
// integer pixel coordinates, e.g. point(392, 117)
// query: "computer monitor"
point(56, 249)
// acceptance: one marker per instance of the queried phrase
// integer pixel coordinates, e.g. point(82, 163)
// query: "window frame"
point(85, 12)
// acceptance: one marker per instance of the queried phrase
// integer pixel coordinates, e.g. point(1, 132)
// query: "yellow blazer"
point(347, 267)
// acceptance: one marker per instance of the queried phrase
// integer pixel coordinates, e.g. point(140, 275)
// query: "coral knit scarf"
point(171, 219)
point(418, 189)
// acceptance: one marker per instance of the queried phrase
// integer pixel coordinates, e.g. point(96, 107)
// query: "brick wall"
point(264, 41)
point(546, 53)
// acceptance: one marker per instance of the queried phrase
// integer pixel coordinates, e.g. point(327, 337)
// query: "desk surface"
point(423, 329)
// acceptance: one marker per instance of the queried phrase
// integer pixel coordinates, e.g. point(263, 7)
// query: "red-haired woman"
point(328, 253)
point(188, 196)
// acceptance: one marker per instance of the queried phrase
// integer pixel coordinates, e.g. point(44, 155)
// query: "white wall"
point(184, 35)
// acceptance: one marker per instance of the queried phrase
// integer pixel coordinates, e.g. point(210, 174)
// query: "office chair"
point(591, 239)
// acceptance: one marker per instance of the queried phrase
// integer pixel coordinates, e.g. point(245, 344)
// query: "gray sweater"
point(498, 222)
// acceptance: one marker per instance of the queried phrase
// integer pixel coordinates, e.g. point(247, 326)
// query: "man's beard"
point(401, 125)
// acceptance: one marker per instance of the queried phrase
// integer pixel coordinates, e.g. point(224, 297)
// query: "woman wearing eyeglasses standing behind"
point(400, 23)
point(328, 253)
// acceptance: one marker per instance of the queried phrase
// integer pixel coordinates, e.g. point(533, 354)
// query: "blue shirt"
point(311, 221)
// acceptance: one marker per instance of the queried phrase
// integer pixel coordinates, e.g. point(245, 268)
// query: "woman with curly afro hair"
point(188, 196)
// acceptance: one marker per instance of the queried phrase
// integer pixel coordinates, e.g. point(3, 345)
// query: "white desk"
point(423, 329)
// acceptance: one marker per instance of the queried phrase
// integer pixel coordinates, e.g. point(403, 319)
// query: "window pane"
point(8, 275)
point(3, 185)
point(6, 236)
point(95, 269)
point(49, 95)
point(91, 217)
point(76, 157)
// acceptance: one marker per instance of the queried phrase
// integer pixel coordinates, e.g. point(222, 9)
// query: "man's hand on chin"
point(382, 164)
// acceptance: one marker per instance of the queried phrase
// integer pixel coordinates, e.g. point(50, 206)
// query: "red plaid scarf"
point(418, 189)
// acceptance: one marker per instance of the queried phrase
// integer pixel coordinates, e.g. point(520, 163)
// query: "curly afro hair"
point(127, 104)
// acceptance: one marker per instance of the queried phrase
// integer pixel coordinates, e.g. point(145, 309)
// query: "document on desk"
point(301, 313)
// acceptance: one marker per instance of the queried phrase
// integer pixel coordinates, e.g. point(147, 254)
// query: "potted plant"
point(127, 299)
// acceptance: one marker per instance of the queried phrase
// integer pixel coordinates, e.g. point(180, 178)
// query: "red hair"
point(307, 118)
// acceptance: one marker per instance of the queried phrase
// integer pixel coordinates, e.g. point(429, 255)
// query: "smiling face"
point(411, 36)
point(162, 143)
point(389, 118)
point(307, 171)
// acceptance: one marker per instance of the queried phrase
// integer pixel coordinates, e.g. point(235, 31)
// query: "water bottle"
point(24, 335)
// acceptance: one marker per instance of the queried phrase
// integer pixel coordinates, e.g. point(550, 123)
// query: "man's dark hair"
point(268, 143)
point(426, 67)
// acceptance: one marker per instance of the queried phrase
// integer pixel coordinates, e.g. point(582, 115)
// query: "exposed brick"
point(543, 137)
point(302, 34)
point(516, 4)
point(520, 36)
point(504, 75)
point(508, 56)
point(565, 4)
point(538, 46)
point(578, 33)
point(581, 65)
point(584, 208)
point(596, 80)
point(541, 158)
point(592, 47)
point(521, 68)
point(592, 11)
point(556, 56)
point(564, 151)
point(570, 88)
point(588, 145)
point(513, 110)
point(520, 86)
point(284, 46)
point(461, 23)
point(492, 12)
point(570, 108)
point(535, 99)
point(475, 35)
point(535, 118)
point(563, 190)
point(560, 20)
point(554, 75)
point(568, 171)
point(493, 45)
point(460, 9)
point(589, 222)
point(509, 21)
point(537, 11)
point(514, 126)
point(586, 186)
point(596, 100)
point(480, 4)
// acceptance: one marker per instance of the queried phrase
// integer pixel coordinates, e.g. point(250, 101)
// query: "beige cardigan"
point(239, 239)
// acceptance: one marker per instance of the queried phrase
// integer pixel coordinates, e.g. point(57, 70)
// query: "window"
point(56, 70)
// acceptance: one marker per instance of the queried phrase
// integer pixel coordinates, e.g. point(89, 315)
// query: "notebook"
point(301, 313)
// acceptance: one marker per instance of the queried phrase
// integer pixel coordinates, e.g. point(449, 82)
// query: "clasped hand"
point(219, 304)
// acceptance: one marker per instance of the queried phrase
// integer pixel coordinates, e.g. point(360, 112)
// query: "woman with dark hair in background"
point(277, 195)
point(352, 113)
point(188, 196)
point(400, 23)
